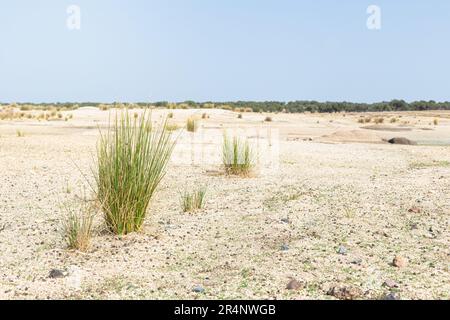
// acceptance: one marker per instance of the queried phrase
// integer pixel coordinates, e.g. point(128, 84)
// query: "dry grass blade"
point(78, 227)
point(193, 200)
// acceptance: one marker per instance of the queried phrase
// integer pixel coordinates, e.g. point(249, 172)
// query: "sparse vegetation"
point(432, 164)
point(237, 156)
point(172, 127)
point(132, 160)
point(193, 200)
point(268, 119)
point(78, 227)
point(103, 107)
point(20, 133)
point(266, 106)
point(378, 120)
point(191, 124)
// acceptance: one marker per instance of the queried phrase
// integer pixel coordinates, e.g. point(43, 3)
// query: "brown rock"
point(345, 293)
point(295, 285)
point(400, 262)
point(415, 210)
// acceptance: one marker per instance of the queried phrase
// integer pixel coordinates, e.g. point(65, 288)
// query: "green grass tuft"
point(191, 125)
point(193, 200)
point(237, 156)
point(132, 160)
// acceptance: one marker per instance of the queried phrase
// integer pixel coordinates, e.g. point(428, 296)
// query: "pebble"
point(400, 262)
point(415, 210)
point(295, 285)
point(391, 296)
point(55, 274)
point(284, 247)
point(198, 289)
point(342, 250)
point(345, 293)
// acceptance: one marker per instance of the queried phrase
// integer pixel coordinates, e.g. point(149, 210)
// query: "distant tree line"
point(269, 106)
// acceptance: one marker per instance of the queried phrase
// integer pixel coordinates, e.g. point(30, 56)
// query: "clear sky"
point(175, 50)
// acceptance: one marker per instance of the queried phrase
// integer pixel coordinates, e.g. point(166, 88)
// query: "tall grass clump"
point(78, 227)
point(237, 156)
point(191, 124)
point(132, 160)
point(193, 200)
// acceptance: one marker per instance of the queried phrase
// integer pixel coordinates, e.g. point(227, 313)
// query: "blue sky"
point(175, 50)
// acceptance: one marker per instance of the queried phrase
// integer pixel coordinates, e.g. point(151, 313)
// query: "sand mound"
point(351, 136)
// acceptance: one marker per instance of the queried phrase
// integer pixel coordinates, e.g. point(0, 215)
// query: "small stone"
point(357, 261)
point(391, 296)
point(415, 210)
point(345, 293)
point(284, 247)
point(55, 274)
point(342, 250)
point(400, 262)
point(414, 226)
point(198, 289)
point(285, 220)
point(295, 285)
point(390, 284)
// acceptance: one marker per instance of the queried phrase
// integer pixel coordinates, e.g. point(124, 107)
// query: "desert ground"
point(340, 205)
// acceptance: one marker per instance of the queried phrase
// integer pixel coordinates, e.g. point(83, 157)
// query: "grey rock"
point(391, 296)
point(295, 285)
point(284, 247)
point(342, 250)
point(56, 273)
point(401, 140)
point(198, 289)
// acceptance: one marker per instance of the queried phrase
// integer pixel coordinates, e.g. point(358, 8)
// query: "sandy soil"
point(337, 185)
